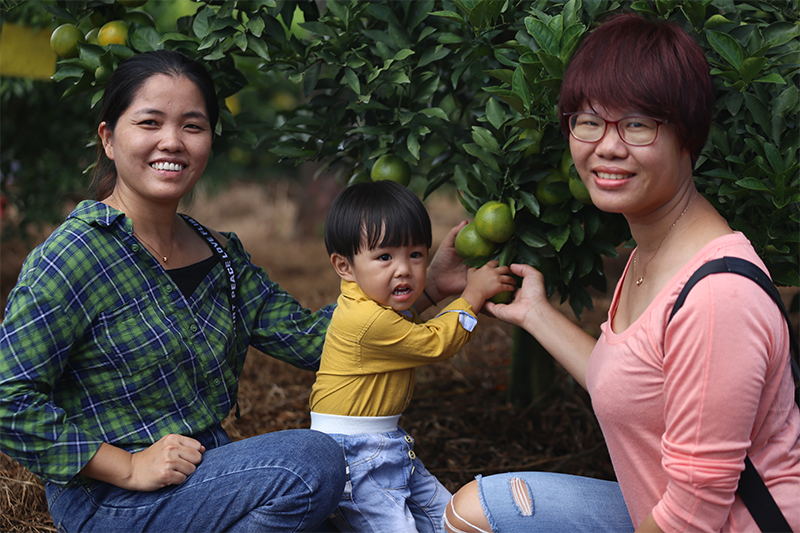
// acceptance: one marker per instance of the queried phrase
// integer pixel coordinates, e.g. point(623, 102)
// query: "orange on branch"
point(64, 41)
point(495, 222)
point(391, 167)
point(114, 32)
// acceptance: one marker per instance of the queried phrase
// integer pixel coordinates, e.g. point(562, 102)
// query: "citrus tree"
point(464, 93)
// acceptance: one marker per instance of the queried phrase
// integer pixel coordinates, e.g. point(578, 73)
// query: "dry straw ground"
point(460, 415)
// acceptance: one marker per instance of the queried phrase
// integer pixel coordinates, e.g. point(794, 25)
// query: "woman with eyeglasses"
point(680, 402)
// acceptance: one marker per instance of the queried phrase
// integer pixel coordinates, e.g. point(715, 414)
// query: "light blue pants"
point(528, 502)
point(281, 481)
point(388, 488)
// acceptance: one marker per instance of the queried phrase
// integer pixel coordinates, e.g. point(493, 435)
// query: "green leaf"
point(482, 154)
point(200, 25)
point(451, 15)
point(553, 64)
point(256, 26)
point(530, 202)
point(504, 75)
point(774, 158)
point(534, 241)
point(716, 20)
point(287, 150)
point(352, 80)
point(97, 97)
point(727, 47)
point(175, 37)
point(495, 113)
point(772, 77)
point(786, 102)
point(570, 40)
point(412, 143)
point(68, 72)
point(258, 46)
point(753, 184)
point(520, 88)
point(484, 138)
point(543, 35)
point(433, 54)
point(145, 39)
point(508, 97)
point(436, 112)
point(751, 67)
point(319, 28)
point(558, 237)
point(759, 111)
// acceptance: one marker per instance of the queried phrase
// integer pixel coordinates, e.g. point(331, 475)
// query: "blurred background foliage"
point(462, 90)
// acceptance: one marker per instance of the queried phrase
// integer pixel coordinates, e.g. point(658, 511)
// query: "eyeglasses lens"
point(636, 131)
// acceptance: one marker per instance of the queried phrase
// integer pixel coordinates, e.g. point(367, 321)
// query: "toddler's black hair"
point(364, 212)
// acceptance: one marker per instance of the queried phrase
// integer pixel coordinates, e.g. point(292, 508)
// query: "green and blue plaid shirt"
point(99, 345)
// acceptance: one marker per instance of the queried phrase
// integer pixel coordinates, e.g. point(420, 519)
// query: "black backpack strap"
point(752, 490)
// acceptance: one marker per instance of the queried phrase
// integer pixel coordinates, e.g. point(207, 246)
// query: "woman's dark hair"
point(121, 88)
point(365, 212)
point(653, 66)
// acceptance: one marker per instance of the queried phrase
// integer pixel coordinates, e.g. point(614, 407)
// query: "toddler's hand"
point(485, 282)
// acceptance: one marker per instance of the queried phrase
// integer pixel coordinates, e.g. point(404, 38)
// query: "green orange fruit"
point(502, 297)
point(579, 190)
point(114, 32)
point(469, 244)
point(391, 167)
point(494, 221)
point(544, 196)
point(534, 135)
point(91, 35)
point(65, 39)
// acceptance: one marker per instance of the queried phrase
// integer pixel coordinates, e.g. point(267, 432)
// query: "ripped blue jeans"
point(554, 503)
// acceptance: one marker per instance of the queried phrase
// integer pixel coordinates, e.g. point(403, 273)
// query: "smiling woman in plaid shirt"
point(125, 336)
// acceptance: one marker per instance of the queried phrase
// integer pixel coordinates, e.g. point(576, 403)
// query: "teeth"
point(606, 176)
point(167, 166)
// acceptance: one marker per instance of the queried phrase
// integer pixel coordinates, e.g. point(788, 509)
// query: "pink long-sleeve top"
point(680, 405)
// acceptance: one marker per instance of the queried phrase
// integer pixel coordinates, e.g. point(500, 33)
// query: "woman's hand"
point(447, 273)
point(529, 296)
point(167, 462)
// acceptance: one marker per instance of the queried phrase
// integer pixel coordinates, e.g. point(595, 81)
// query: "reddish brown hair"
point(652, 66)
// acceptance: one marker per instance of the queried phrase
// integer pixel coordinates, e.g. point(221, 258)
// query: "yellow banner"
point(26, 53)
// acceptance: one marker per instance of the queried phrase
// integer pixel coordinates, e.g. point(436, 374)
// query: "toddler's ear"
point(342, 267)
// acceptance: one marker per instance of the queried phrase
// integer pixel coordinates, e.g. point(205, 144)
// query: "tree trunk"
point(533, 370)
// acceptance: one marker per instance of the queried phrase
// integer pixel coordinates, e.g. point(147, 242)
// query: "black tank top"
point(188, 278)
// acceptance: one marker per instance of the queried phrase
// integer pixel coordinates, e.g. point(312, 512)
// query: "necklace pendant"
point(640, 281)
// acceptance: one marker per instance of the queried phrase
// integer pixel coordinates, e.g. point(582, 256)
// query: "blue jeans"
point(553, 503)
point(283, 481)
point(389, 490)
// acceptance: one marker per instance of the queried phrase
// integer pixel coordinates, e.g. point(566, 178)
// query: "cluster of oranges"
point(565, 173)
point(65, 39)
point(493, 225)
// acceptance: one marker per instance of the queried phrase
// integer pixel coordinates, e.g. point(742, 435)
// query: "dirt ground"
point(460, 414)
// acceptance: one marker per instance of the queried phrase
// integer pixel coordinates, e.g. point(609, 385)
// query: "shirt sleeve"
point(277, 324)
point(720, 351)
point(34, 342)
point(396, 343)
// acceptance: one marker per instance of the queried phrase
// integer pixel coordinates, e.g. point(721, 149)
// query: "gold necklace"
point(640, 280)
point(164, 258)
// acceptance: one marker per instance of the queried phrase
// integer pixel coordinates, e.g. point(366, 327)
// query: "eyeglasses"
point(635, 131)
